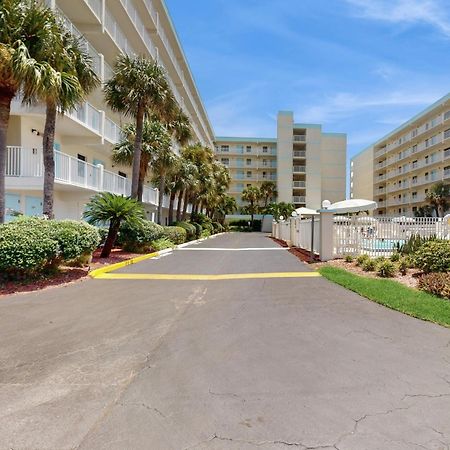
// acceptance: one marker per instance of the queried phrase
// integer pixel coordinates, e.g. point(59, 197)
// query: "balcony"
point(299, 184)
point(298, 199)
point(299, 169)
point(299, 153)
point(23, 163)
point(299, 138)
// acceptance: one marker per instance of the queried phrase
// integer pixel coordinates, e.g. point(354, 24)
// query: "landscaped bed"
point(392, 294)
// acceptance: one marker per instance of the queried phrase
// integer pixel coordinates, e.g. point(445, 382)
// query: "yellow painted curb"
point(97, 273)
point(201, 277)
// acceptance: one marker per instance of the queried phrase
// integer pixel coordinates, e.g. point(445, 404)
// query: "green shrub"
point(161, 244)
point(403, 265)
point(386, 269)
point(103, 233)
point(239, 223)
point(76, 240)
point(138, 236)
point(191, 231)
point(205, 233)
point(257, 225)
point(348, 258)
point(198, 229)
point(26, 248)
point(218, 228)
point(361, 259)
point(203, 220)
point(435, 283)
point(380, 259)
point(175, 234)
point(413, 244)
point(395, 257)
point(433, 256)
point(369, 265)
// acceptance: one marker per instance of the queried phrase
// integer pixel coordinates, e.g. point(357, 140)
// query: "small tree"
point(113, 209)
point(281, 209)
point(438, 197)
point(252, 196)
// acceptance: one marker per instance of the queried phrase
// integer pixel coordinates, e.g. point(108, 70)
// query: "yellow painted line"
point(201, 277)
point(100, 272)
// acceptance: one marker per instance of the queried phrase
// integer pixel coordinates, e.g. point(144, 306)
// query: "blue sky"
point(357, 66)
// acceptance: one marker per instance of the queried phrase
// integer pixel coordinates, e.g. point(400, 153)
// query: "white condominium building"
point(307, 165)
point(84, 139)
point(399, 169)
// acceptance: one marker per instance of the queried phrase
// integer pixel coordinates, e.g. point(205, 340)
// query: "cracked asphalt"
point(229, 364)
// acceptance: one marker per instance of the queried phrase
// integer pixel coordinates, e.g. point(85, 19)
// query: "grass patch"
point(393, 294)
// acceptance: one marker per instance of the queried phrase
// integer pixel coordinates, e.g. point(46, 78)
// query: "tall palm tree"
point(438, 196)
point(251, 195)
point(268, 191)
point(113, 209)
point(227, 205)
point(154, 136)
point(74, 81)
point(139, 89)
point(27, 31)
point(162, 165)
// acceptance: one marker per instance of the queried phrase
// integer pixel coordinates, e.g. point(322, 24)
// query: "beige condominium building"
point(84, 138)
point(307, 164)
point(399, 169)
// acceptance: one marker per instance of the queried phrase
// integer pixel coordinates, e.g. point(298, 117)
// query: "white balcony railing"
point(299, 184)
point(89, 116)
point(299, 138)
point(298, 199)
point(112, 131)
point(299, 154)
point(299, 169)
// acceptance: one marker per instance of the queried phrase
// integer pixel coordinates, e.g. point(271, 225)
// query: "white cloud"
point(431, 12)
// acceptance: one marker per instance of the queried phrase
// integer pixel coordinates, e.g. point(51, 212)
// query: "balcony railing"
point(89, 116)
point(112, 131)
point(299, 138)
point(299, 169)
point(298, 199)
point(299, 154)
point(24, 162)
point(113, 28)
point(299, 184)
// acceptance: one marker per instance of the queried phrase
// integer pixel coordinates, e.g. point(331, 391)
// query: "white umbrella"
point(306, 211)
point(352, 206)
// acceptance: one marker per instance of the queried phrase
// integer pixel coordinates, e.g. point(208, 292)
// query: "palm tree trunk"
point(110, 239)
point(160, 198)
point(48, 142)
point(185, 204)
point(5, 107)
point(179, 204)
point(142, 174)
point(171, 205)
point(137, 152)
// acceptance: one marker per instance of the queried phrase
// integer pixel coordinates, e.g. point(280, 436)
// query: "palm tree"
point(251, 195)
point(139, 89)
point(27, 31)
point(268, 191)
point(154, 136)
point(115, 209)
point(438, 197)
point(162, 165)
point(227, 205)
point(75, 79)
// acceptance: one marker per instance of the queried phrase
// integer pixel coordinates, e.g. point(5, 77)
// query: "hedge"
point(30, 245)
point(177, 235)
point(433, 256)
point(436, 283)
point(191, 231)
point(137, 237)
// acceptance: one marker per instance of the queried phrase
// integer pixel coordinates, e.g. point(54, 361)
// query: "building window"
point(414, 195)
point(264, 162)
point(224, 148)
point(249, 185)
point(264, 175)
point(225, 161)
point(248, 149)
point(265, 149)
point(248, 161)
point(122, 174)
point(249, 173)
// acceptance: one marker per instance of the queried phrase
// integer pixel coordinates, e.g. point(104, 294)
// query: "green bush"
point(26, 248)
point(205, 233)
point(435, 283)
point(433, 256)
point(395, 257)
point(161, 244)
point(138, 236)
point(386, 269)
point(218, 228)
point(403, 265)
point(348, 258)
point(257, 225)
point(198, 229)
point(369, 265)
point(413, 244)
point(239, 223)
point(361, 259)
point(175, 234)
point(191, 231)
point(203, 220)
point(76, 240)
point(103, 233)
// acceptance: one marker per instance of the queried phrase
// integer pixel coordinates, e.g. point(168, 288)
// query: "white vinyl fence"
point(305, 233)
point(380, 236)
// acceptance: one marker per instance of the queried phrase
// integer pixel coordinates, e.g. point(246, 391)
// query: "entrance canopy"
point(352, 206)
point(306, 212)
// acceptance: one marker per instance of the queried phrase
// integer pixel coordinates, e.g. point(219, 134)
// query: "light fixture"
point(36, 132)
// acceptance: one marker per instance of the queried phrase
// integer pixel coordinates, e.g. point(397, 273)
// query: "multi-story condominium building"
point(406, 162)
point(307, 164)
point(84, 138)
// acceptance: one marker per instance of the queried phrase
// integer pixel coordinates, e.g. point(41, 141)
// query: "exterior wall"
point(107, 29)
point(409, 160)
point(361, 175)
point(310, 165)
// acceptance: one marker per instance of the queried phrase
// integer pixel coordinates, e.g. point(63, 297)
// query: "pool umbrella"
point(352, 206)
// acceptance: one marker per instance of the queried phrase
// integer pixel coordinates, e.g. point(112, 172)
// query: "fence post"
point(326, 235)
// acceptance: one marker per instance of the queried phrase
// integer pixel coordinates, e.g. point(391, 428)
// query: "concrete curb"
point(112, 267)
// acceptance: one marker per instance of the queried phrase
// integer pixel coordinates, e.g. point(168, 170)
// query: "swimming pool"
point(381, 244)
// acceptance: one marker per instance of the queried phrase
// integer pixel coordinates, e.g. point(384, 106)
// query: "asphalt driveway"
point(250, 363)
